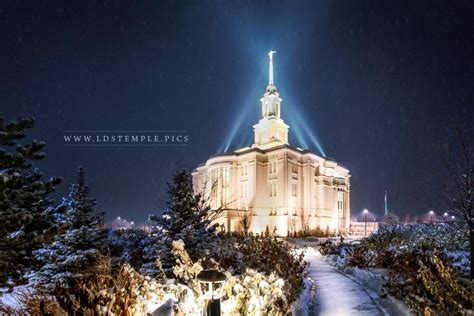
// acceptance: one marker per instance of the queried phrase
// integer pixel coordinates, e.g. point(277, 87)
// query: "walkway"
point(338, 294)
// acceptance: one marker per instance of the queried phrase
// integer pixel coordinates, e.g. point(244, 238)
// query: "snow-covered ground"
point(12, 299)
point(338, 293)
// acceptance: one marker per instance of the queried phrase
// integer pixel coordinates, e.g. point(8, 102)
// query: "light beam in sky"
point(249, 112)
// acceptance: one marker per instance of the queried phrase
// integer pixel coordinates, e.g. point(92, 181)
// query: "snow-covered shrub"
point(419, 236)
point(423, 280)
point(185, 269)
point(332, 246)
point(30, 303)
point(271, 255)
point(340, 253)
point(460, 262)
point(255, 286)
point(391, 240)
point(254, 293)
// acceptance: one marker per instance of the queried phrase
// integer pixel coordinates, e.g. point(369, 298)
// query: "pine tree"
point(153, 247)
point(28, 219)
point(391, 219)
point(187, 217)
point(76, 254)
point(126, 245)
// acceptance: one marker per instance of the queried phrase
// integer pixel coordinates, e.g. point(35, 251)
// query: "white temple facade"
point(273, 186)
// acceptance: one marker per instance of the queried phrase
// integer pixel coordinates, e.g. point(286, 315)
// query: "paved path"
point(338, 294)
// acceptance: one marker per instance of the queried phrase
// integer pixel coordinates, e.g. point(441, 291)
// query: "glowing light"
point(431, 212)
point(238, 125)
point(211, 284)
point(119, 218)
point(300, 128)
point(248, 111)
point(366, 211)
point(445, 214)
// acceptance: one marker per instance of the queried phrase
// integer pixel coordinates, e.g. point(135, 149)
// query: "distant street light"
point(445, 214)
point(119, 218)
point(431, 216)
point(452, 217)
point(365, 220)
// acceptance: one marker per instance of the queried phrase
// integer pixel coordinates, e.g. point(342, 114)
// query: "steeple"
point(270, 130)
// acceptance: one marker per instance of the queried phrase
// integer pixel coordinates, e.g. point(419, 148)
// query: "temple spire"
point(270, 70)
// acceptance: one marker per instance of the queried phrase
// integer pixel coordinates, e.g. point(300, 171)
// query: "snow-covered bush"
point(250, 292)
point(332, 246)
point(27, 302)
point(254, 293)
point(391, 240)
point(460, 262)
point(271, 255)
point(419, 236)
point(265, 255)
point(423, 279)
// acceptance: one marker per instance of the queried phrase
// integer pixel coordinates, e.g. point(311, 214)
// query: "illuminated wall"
point(281, 187)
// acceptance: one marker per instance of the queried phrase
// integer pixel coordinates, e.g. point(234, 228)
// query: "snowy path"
point(338, 294)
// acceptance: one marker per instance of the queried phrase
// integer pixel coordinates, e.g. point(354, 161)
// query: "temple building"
point(273, 186)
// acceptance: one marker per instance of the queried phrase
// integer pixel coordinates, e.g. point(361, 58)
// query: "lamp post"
point(365, 220)
point(431, 216)
point(211, 287)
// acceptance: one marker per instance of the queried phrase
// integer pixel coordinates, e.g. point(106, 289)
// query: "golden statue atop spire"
point(270, 68)
point(270, 54)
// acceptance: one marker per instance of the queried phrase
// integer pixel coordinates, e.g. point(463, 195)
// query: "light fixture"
point(211, 287)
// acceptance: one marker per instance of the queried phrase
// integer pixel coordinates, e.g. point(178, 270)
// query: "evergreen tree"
point(391, 219)
point(153, 252)
point(76, 254)
point(27, 217)
point(126, 245)
point(188, 217)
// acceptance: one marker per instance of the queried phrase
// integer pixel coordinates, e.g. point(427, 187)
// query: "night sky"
point(379, 86)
